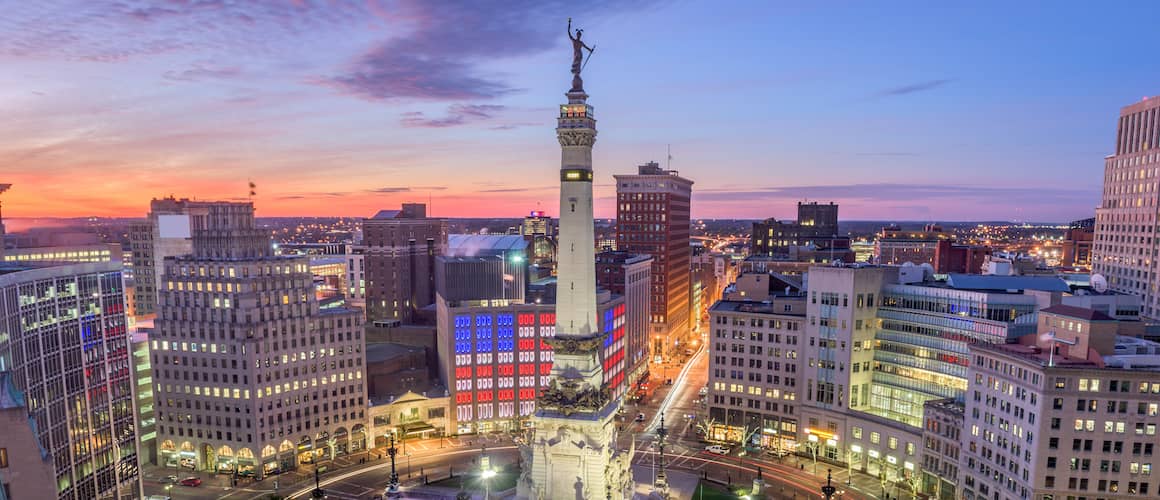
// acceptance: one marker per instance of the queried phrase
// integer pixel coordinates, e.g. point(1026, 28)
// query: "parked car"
point(170, 479)
point(639, 417)
point(718, 449)
point(191, 481)
point(777, 453)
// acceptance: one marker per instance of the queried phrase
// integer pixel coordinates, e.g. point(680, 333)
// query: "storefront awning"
point(416, 428)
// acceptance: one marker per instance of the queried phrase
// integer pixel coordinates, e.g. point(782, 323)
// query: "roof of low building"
point(998, 282)
point(1078, 313)
point(470, 244)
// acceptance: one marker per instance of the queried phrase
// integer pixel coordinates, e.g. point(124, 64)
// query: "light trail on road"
point(678, 383)
point(304, 492)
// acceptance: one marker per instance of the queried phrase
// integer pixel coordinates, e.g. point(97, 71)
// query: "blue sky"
point(896, 110)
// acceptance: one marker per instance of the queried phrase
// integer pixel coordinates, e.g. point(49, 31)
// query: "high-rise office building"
point(882, 341)
point(1071, 412)
point(537, 222)
point(629, 275)
point(400, 250)
point(652, 217)
point(249, 375)
point(1126, 225)
point(66, 345)
point(754, 380)
point(164, 233)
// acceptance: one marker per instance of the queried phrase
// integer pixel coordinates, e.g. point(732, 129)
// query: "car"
point(639, 417)
point(170, 479)
point(718, 449)
point(191, 482)
point(777, 453)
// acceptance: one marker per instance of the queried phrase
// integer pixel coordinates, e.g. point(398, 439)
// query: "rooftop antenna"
point(253, 190)
point(430, 204)
point(3, 188)
point(669, 151)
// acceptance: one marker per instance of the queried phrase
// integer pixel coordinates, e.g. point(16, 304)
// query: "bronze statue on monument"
point(578, 59)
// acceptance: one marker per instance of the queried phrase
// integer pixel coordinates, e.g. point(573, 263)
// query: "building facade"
point(816, 226)
point(109, 252)
point(1077, 244)
point(897, 246)
point(754, 381)
point(630, 276)
point(67, 348)
point(26, 468)
point(494, 357)
point(942, 434)
point(400, 251)
point(652, 217)
point(356, 278)
point(1126, 219)
point(1062, 425)
point(249, 375)
point(164, 233)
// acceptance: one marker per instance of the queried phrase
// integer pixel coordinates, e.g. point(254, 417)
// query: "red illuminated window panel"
point(463, 372)
point(547, 319)
point(483, 396)
point(527, 369)
point(506, 370)
point(462, 397)
point(527, 319)
point(527, 344)
point(544, 346)
point(545, 368)
point(483, 371)
point(506, 395)
point(527, 394)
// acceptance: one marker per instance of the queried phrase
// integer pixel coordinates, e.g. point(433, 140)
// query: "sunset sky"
point(896, 110)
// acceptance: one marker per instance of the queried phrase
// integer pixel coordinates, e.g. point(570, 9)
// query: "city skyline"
point(410, 101)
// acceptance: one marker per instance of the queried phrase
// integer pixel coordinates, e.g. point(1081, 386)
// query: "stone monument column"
point(572, 453)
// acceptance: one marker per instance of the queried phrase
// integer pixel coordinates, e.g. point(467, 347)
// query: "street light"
point(487, 475)
point(393, 483)
point(829, 489)
point(317, 493)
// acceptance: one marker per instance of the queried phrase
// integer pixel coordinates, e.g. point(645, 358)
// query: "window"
point(3, 458)
point(875, 437)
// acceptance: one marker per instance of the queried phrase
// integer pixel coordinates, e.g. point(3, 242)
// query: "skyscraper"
point(573, 451)
point(652, 217)
point(1126, 242)
point(164, 233)
point(65, 341)
point(249, 375)
point(400, 250)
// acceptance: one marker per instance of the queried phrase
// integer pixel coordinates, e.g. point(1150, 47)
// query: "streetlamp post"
point(393, 483)
point(317, 493)
point(829, 489)
point(661, 486)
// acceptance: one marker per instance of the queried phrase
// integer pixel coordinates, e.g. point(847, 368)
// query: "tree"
point(706, 426)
